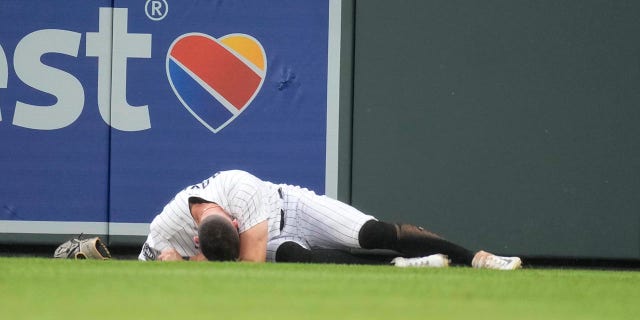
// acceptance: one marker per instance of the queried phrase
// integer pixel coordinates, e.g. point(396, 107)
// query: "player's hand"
point(169, 255)
point(198, 257)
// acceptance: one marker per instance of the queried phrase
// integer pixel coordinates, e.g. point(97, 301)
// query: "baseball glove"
point(91, 248)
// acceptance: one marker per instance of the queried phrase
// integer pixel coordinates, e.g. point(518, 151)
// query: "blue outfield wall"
point(108, 108)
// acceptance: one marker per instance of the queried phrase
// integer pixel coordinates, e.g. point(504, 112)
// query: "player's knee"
point(378, 235)
point(292, 252)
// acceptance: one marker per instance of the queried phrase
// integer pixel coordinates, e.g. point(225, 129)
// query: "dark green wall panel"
point(507, 125)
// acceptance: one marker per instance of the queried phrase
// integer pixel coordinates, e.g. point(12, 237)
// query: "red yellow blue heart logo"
point(216, 79)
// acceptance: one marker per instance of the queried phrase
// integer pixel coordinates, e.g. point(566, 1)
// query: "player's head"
point(219, 239)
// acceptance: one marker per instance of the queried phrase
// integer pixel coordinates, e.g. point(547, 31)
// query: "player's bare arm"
point(173, 255)
point(253, 243)
point(169, 255)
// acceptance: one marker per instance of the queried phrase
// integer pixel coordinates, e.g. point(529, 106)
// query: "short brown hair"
point(219, 239)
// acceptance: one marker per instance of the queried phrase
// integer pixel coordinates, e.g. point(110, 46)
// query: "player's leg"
point(330, 224)
point(291, 251)
point(414, 241)
point(277, 251)
point(411, 241)
point(323, 222)
point(288, 249)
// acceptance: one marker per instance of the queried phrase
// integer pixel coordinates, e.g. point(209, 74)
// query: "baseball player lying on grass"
point(233, 215)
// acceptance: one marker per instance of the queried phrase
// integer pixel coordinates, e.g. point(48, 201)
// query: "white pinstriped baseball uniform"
point(293, 214)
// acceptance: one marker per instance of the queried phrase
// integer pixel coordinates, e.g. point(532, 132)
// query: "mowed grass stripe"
point(67, 289)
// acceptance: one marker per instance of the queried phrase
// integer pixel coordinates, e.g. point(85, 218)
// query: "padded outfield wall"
point(109, 108)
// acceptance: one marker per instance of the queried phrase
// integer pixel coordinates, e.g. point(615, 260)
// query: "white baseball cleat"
point(486, 260)
point(432, 261)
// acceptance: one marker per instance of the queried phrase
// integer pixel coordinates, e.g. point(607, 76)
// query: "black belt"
point(281, 209)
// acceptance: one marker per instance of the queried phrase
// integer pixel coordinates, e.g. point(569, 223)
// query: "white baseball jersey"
point(172, 228)
point(293, 214)
point(240, 194)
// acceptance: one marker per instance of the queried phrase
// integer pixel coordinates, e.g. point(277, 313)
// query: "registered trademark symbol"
point(156, 10)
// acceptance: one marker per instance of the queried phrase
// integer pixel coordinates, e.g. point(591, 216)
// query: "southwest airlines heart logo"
point(216, 79)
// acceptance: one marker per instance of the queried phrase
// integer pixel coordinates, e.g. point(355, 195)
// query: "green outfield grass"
point(32, 288)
